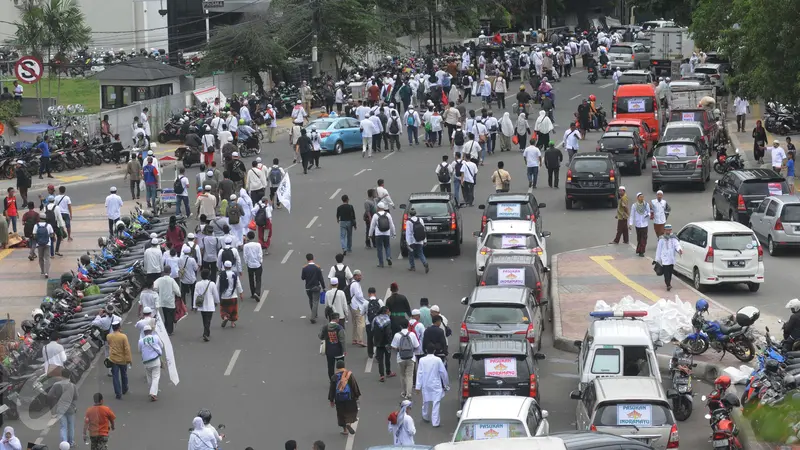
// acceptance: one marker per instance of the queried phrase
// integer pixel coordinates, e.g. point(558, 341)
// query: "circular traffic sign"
point(2, 128)
point(28, 69)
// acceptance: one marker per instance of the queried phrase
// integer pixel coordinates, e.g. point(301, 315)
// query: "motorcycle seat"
point(728, 330)
point(794, 354)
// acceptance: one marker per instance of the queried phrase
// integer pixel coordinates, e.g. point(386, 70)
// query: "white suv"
point(720, 253)
point(510, 236)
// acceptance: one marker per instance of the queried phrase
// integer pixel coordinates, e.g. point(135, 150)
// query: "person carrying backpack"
point(343, 395)
point(374, 307)
point(181, 188)
point(56, 220)
point(43, 236)
point(262, 215)
point(381, 330)
point(342, 273)
point(406, 343)
point(411, 119)
point(274, 178)
point(444, 174)
point(234, 214)
point(228, 253)
point(382, 228)
point(416, 238)
point(394, 129)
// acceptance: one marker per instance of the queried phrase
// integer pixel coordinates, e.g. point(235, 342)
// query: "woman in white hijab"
point(201, 438)
point(522, 130)
point(9, 441)
point(506, 132)
point(543, 128)
point(401, 425)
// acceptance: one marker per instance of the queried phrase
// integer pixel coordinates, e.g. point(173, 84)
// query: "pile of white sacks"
point(666, 319)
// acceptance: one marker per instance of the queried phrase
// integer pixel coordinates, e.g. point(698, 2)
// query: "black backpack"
point(261, 216)
point(458, 139)
point(50, 213)
point(458, 167)
point(341, 276)
point(383, 223)
point(443, 174)
point(465, 81)
point(393, 127)
point(275, 176)
point(373, 306)
point(419, 230)
point(178, 186)
point(227, 255)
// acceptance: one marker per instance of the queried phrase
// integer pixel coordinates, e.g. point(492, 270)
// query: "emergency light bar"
point(607, 314)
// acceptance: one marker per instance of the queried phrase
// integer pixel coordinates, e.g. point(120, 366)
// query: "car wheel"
point(568, 203)
point(702, 186)
point(403, 250)
point(338, 148)
point(771, 247)
point(714, 212)
point(753, 286)
point(696, 280)
point(637, 169)
point(654, 187)
point(457, 248)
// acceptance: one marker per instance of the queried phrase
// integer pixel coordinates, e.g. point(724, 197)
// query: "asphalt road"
point(265, 381)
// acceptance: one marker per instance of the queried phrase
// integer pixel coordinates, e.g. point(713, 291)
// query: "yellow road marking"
point(72, 178)
point(82, 207)
point(5, 252)
point(603, 261)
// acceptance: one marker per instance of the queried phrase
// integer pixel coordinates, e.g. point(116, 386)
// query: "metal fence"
point(160, 110)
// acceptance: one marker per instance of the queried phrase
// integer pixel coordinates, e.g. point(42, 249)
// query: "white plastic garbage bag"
point(738, 375)
point(666, 319)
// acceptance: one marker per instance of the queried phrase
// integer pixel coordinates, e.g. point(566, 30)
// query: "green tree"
point(32, 36)
point(9, 111)
point(67, 31)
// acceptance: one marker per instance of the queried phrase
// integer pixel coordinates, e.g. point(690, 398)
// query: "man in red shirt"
point(10, 208)
point(374, 92)
point(99, 420)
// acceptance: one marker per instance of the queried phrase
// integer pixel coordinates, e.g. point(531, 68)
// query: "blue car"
point(338, 134)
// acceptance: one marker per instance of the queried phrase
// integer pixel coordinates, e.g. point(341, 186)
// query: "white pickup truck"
point(688, 94)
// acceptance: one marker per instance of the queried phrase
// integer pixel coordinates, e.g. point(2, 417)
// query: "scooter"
point(725, 164)
point(680, 369)
point(592, 74)
point(189, 155)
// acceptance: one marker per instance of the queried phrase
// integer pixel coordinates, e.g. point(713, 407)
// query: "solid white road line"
point(573, 98)
point(291, 166)
point(286, 258)
point(390, 154)
point(351, 438)
point(311, 224)
point(577, 71)
point(606, 85)
point(435, 187)
point(334, 194)
point(359, 172)
point(263, 300)
point(233, 362)
point(368, 368)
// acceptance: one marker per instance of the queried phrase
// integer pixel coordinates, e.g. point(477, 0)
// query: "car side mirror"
point(545, 414)
point(546, 269)
point(716, 181)
point(542, 205)
point(476, 234)
point(481, 206)
point(457, 355)
point(672, 393)
point(402, 206)
point(464, 300)
point(575, 395)
point(546, 234)
point(539, 356)
point(458, 413)
point(578, 344)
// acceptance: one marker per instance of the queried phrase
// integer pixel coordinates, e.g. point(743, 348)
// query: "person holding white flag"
point(285, 192)
point(151, 349)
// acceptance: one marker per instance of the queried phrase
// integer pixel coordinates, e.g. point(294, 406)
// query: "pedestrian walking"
point(344, 395)
point(211, 247)
point(346, 217)
point(10, 208)
point(336, 302)
point(571, 141)
point(44, 159)
point(742, 107)
point(262, 216)
point(552, 161)
point(425, 312)
point(374, 305)
point(203, 438)
point(188, 278)
point(506, 132)
point(119, 356)
point(444, 174)
point(382, 229)
point(413, 122)
point(206, 299)
point(63, 396)
point(314, 284)
point(668, 246)
point(150, 175)
point(152, 261)
point(64, 203)
point(432, 382)
point(254, 260)
point(623, 213)
point(370, 209)
point(333, 336)
point(230, 292)
point(383, 194)
point(501, 178)
point(43, 236)
point(303, 148)
point(234, 212)
point(151, 348)
point(113, 205)
point(533, 159)
point(358, 309)
point(416, 239)
point(659, 213)
point(98, 422)
point(24, 181)
point(640, 218)
point(401, 425)
point(777, 156)
point(256, 182)
point(380, 330)
point(406, 343)
point(469, 172)
point(790, 171)
point(56, 220)
point(399, 308)
point(455, 170)
point(543, 127)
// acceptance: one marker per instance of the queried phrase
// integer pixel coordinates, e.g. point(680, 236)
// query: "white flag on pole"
point(285, 192)
point(169, 354)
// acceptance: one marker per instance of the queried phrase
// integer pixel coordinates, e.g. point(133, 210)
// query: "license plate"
point(717, 443)
point(676, 166)
point(616, 152)
point(85, 346)
point(495, 336)
point(592, 183)
point(642, 440)
point(493, 393)
point(737, 263)
point(427, 228)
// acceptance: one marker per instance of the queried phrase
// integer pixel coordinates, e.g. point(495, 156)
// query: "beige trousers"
point(358, 326)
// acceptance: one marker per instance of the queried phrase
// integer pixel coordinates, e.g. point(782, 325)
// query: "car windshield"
point(765, 188)
point(734, 241)
point(681, 132)
point(633, 79)
point(498, 313)
point(590, 165)
point(479, 430)
point(791, 213)
point(322, 124)
point(621, 49)
point(676, 150)
point(431, 209)
point(510, 241)
point(640, 415)
point(616, 142)
point(606, 361)
point(508, 275)
point(706, 70)
point(511, 211)
point(635, 105)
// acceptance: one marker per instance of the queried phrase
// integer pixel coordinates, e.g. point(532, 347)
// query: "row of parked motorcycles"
point(69, 150)
point(103, 287)
point(782, 119)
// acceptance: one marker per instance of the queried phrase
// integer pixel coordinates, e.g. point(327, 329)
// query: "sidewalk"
point(610, 272)
point(744, 141)
point(25, 286)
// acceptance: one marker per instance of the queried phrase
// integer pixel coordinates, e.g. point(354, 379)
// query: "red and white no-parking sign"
point(28, 69)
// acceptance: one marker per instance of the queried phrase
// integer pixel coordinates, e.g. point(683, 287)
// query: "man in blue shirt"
point(44, 164)
point(150, 175)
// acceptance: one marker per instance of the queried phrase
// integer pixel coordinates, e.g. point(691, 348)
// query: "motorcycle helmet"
point(119, 226)
point(241, 121)
point(85, 261)
point(27, 325)
point(126, 220)
point(722, 382)
point(37, 314)
point(592, 98)
point(793, 305)
point(205, 415)
point(731, 400)
point(102, 241)
point(701, 305)
point(207, 128)
point(59, 293)
point(772, 366)
point(67, 277)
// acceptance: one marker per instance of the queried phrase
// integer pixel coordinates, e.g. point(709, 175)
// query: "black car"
point(517, 270)
point(510, 206)
point(681, 161)
point(441, 217)
point(627, 147)
point(483, 353)
point(739, 192)
point(592, 176)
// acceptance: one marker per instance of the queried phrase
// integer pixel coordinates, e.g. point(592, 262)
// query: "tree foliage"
point(9, 111)
point(759, 38)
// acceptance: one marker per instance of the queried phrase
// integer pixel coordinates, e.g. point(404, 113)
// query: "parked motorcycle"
point(680, 369)
point(732, 335)
point(724, 434)
point(725, 163)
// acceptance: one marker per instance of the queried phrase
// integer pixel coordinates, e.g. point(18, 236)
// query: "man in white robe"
point(403, 430)
point(432, 381)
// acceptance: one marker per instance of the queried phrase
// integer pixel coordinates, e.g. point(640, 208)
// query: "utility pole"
point(208, 28)
point(314, 53)
point(544, 16)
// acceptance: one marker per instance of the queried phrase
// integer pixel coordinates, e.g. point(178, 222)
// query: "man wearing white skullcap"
point(659, 212)
point(206, 203)
point(401, 425)
point(623, 212)
point(231, 291)
point(640, 219)
point(381, 228)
